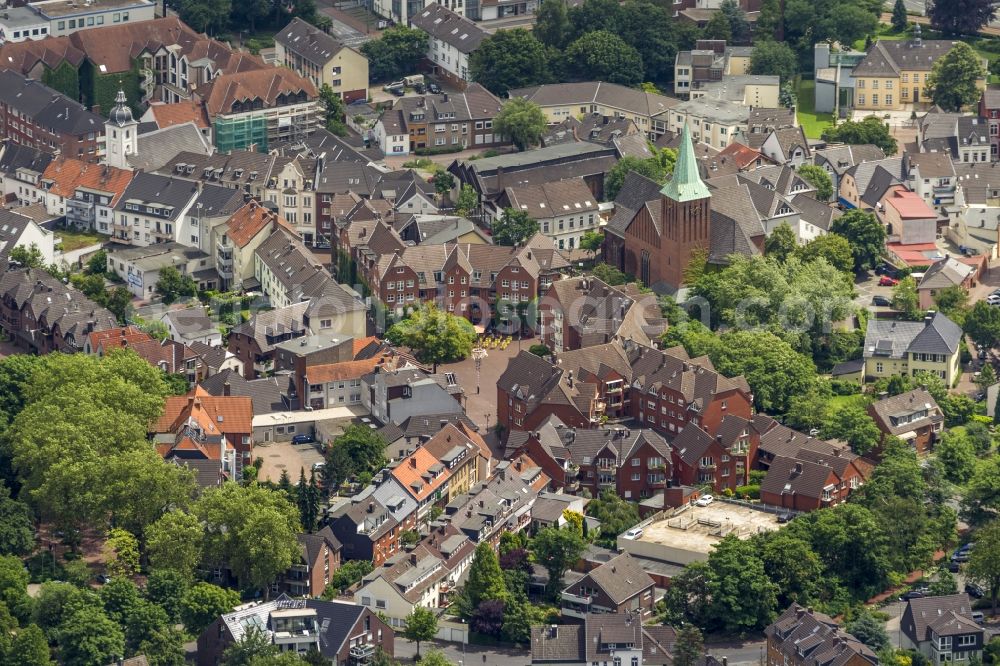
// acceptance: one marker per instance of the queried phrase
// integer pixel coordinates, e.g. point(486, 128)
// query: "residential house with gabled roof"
point(836, 160)
point(85, 193)
point(425, 477)
point(21, 171)
point(423, 577)
point(942, 629)
point(254, 341)
point(268, 394)
point(989, 109)
point(451, 40)
point(932, 176)
point(802, 637)
point(722, 462)
point(604, 637)
point(449, 119)
point(908, 347)
point(168, 355)
point(500, 504)
point(342, 632)
point(207, 424)
point(619, 585)
point(787, 146)
point(894, 72)
point(812, 480)
point(35, 115)
point(583, 311)
point(863, 185)
point(914, 417)
point(948, 272)
point(323, 59)
point(635, 464)
point(152, 209)
point(466, 456)
point(319, 559)
point(367, 530)
point(564, 209)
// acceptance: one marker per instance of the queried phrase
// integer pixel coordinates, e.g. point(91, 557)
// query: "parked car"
point(303, 439)
point(704, 500)
point(887, 269)
point(974, 591)
point(317, 466)
point(978, 617)
point(785, 517)
point(913, 594)
point(634, 533)
point(993, 299)
point(960, 557)
point(434, 88)
point(886, 281)
point(103, 579)
point(881, 301)
point(398, 92)
point(954, 566)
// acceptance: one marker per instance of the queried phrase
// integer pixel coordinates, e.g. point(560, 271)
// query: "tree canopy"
point(513, 227)
point(521, 120)
point(818, 178)
point(434, 335)
point(604, 56)
point(871, 129)
point(960, 17)
point(952, 82)
point(774, 59)
point(865, 234)
point(509, 59)
point(395, 54)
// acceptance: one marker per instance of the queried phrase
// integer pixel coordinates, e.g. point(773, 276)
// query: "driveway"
point(867, 286)
point(279, 456)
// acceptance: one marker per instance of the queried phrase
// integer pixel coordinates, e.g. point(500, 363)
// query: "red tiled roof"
point(909, 204)
point(214, 414)
point(167, 115)
point(264, 84)
point(248, 221)
point(67, 174)
point(411, 470)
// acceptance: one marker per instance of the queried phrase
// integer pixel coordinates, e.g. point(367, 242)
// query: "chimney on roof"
point(413, 463)
point(928, 318)
point(569, 379)
point(800, 612)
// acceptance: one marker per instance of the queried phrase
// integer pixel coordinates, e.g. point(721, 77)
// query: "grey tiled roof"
point(451, 28)
point(891, 410)
point(155, 149)
point(894, 339)
point(161, 191)
point(308, 41)
point(45, 106)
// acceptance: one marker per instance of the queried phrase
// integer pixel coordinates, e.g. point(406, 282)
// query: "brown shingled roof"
point(167, 115)
point(265, 84)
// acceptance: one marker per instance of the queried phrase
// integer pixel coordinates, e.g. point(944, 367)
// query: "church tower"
point(685, 216)
point(120, 134)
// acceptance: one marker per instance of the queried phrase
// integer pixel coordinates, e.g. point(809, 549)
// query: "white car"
point(704, 500)
point(634, 533)
point(993, 299)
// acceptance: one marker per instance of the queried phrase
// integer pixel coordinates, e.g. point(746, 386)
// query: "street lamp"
point(478, 354)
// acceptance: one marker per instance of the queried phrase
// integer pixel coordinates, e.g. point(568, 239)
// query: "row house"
point(35, 115)
point(501, 504)
point(451, 40)
point(449, 120)
point(325, 370)
point(472, 280)
point(464, 454)
point(606, 637)
point(234, 242)
point(425, 478)
point(722, 462)
point(151, 209)
point(424, 577)
point(40, 314)
point(21, 172)
point(989, 109)
point(565, 210)
point(802, 637)
point(85, 193)
point(397, 394)
point(368, 530)
point(663, 390)
point(619, 585)
point(319, 559)
point(254, 341)
point(170, 356)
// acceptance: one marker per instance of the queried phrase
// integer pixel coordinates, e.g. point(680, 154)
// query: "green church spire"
point(686, 184)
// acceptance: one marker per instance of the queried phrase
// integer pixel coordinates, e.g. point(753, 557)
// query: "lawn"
point(844, 401)
point(812, 123)
point(886, 32)
point(73, 239)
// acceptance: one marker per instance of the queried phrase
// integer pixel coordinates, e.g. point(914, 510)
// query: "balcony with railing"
point(576, 605)
point(79, 211)
point(361, 654)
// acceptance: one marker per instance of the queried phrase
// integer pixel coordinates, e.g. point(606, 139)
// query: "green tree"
point(435, 336)
point(174, 543)
point(121, 553)
point(522, 120)
point(689, 646)
point(869, 630)
point(987, 378)
point(119, 302)
point(142, 487)
point(604, 56)
point(164, 648)
point(952, 82)
point(865, 234)
point(208, 16)
point(687, 599)
point(781, 243)
point(509, 59)
point(29, 648)
point(774, 59)
point(960, 17)
point(739, 26)
point(552, 25)
point(958, 455)
point(869, 130)
point(906, 300)
point(944, 584)
point(203, 603)
point(591, 241)
point(609, 275)
point(485, 582)
point(818, 178)
point(28, 257)
point(444, 183)
point(792, 565)
point(615, 515)
point(253, 647)
point(57, 601)
point(718, 27)
point(252, 529)
point(467, 202)
point(421, 626)
point(348, 574)
point(649, 167)
point(89, 637)
point(833, 247)
point(900, 20)
point(853, 425)
point(173, 285)
point(435, 658)
point(513, 227)
point(810, 409)
point(773, 369)
point(166, 588)
point(14, 586)
point(769, 20)
point(333, 110)
point(17, 534)
point(742, 597)
point(984, 561)
point(97, 264)
point(557, 550)
point(395, 54)
point(982, 324)
point(953, 302)
point(144, 622)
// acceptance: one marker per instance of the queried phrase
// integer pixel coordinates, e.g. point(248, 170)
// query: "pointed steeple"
point(121, 114)
point(686, 184)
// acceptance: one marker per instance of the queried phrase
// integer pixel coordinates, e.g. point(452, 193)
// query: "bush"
point(751, 491)
point(539, 350)
point(424, 164)
point(841, 387)
point(438, 150)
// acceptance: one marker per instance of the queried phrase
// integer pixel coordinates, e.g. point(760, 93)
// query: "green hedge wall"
point(65, 78)
point(102, 89)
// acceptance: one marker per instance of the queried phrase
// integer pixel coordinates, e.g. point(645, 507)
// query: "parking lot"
point(280, 456)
